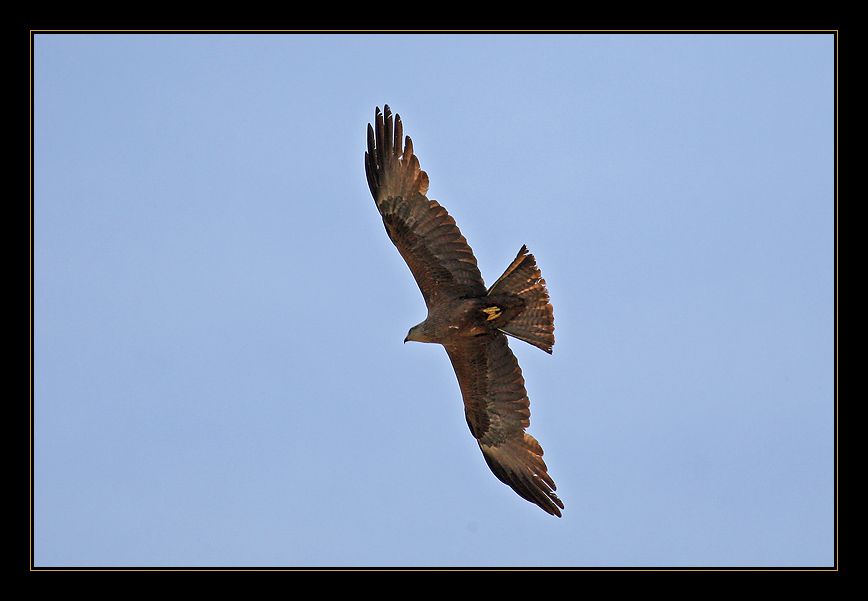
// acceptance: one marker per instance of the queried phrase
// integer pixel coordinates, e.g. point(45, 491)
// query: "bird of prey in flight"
point(468, 319)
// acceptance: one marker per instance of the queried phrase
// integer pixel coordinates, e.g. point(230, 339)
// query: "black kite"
point(467, 318)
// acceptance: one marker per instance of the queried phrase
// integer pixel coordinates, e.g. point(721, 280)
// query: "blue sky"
point(220, 377)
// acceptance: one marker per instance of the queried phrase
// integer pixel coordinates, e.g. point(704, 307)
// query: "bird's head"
point(418, 333)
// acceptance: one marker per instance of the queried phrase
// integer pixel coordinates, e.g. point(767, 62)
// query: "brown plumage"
point(469, 320)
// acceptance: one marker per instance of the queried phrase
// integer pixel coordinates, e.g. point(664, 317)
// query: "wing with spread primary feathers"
point(498, 410)
point(426, 236)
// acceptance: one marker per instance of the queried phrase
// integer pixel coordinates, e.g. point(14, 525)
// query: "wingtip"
point(553, 506)
point(394, 164)
point(558, 505)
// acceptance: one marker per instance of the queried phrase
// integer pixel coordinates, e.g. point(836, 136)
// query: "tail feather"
point(535, 324)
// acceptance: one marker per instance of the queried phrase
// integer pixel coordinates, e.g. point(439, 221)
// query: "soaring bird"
point(468, 319)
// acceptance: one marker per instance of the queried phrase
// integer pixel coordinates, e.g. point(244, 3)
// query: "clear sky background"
point(220, 377)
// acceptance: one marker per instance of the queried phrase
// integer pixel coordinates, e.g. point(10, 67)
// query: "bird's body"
point(449, 323)
point(468, 319)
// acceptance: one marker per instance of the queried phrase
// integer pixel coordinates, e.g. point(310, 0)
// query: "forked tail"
point(535, 323)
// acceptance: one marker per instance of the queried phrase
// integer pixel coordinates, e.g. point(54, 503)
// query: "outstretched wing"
point(498, 410)
point(426, 236)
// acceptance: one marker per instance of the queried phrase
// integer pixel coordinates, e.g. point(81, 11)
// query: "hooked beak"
point(406, 339)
